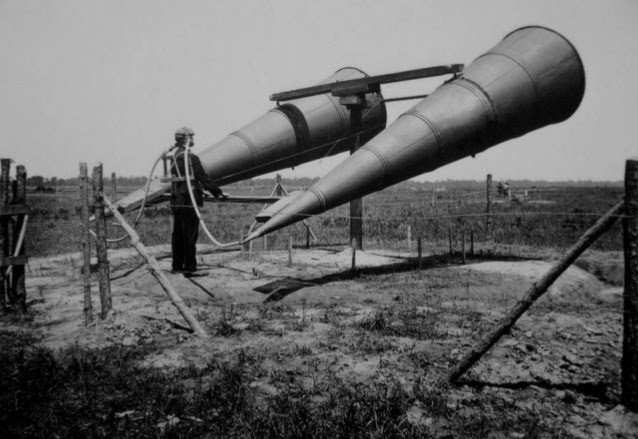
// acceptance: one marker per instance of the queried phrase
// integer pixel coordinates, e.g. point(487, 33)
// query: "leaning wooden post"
point(536, 291)
point(154, 269)
point(419, 251)
point(86, 242)
point(307, 235)
point(100, 242)
point(629, 376)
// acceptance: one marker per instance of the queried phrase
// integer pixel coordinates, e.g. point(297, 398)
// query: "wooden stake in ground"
point(449, 239)
point(354, 254)
point(290, 251)
point(153, 268)
point(419, 252)
point(536, 291)
point(86, 242)
point(488, 208)
point(408, 238)
point(629, 379)
point(5, 165)
point(472, 242)
point(104, 279)
point(18, 277)
point(113, 186)
point(463, 245)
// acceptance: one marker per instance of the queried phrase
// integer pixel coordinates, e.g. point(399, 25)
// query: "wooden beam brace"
point(367, 84)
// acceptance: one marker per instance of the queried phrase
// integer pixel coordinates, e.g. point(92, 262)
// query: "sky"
point(110, 81)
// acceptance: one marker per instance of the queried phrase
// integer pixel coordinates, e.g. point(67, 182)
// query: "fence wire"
point(55, 230)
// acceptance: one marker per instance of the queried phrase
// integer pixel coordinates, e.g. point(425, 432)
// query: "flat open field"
point(315, 349)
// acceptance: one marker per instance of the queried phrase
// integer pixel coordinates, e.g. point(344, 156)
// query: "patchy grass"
point(407, 321)
point(106, 393)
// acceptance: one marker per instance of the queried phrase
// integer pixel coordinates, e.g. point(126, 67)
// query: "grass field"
point(351, 354)
point(550, 216)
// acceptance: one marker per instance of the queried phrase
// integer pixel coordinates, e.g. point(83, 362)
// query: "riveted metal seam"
point(320, 196)
point(251, 146)
point(430, 124)
point(526, 70)
point(381, 157)
point(480, 93)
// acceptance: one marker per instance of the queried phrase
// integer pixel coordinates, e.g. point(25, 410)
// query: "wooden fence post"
point(420, 252)
point(472, 242)
point(100, 242)
point(409, 238)
point(449, 238)
point(5, 166)
point(307, 235)
point(113, 186)
point(353, 245)
point(17, 278)
point(463, 245)
point(488, 209)
point(537, 290)
point(86, 242)
point(290, 250)
point(629, 380)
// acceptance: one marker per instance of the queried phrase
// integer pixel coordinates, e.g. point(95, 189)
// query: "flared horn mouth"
point(532, 78)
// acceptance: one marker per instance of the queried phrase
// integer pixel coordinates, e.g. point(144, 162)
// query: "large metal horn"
point(532, 78)
point(296, 132)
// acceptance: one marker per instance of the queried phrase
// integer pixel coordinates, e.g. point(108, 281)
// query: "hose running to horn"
point(192, 197)
point(146, 189)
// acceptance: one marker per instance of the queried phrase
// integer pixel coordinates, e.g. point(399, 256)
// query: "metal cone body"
point(532, 78)
point(296, 132)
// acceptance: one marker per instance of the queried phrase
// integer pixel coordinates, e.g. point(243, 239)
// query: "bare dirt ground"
point(385, 323)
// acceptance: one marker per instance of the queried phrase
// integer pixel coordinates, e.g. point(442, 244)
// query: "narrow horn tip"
point(254, 235)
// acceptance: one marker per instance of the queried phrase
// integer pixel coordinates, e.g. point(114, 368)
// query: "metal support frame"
point(352, 95)
point(355, 105)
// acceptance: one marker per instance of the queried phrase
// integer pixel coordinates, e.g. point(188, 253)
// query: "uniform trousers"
point(184, 239)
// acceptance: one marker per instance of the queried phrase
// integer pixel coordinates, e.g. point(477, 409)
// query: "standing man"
point(185, 220)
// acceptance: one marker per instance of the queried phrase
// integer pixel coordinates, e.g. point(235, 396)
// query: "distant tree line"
point(40, 181)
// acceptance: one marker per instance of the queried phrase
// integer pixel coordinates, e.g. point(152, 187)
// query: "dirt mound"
point(606, 266)
point(574, 281)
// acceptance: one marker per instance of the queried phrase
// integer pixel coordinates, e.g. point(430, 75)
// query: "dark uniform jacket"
point(199, 179)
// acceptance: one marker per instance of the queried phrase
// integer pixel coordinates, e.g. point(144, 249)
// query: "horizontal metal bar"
point(405, 98)
point(231, 199)
point(368, 83)
point(244, 199)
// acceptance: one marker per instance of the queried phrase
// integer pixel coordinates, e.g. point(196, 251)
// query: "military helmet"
point(183, 132)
